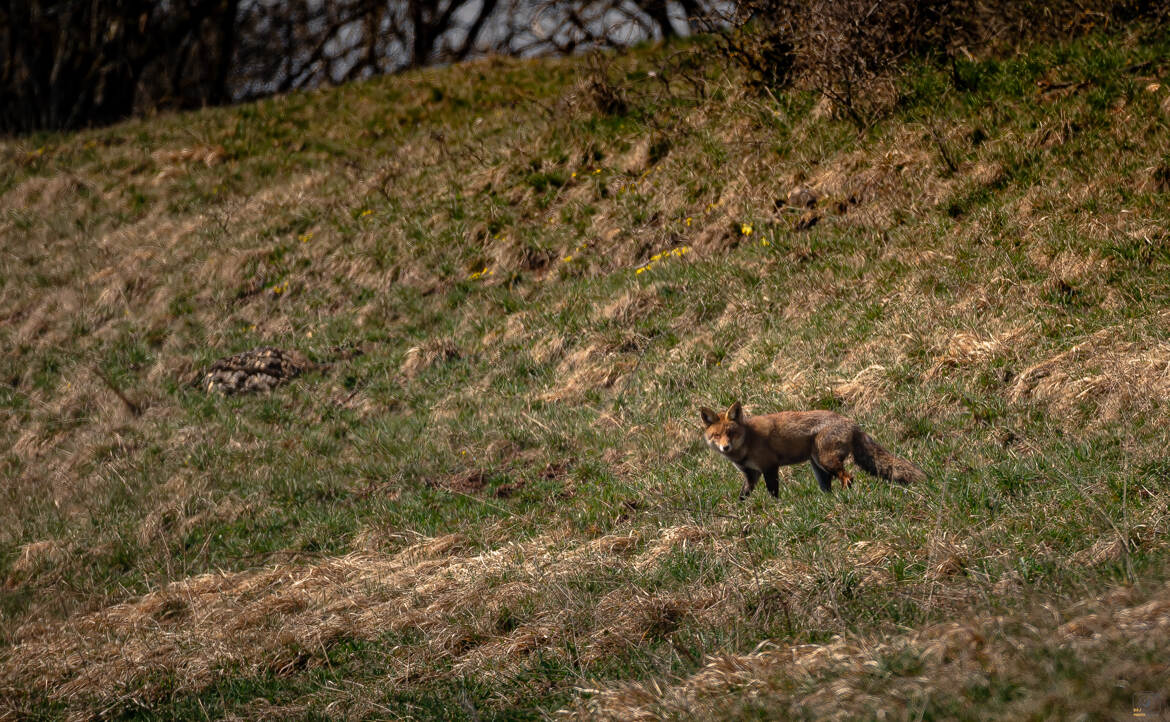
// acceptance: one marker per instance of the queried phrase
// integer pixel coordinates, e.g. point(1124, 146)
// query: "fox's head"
point(725, 432)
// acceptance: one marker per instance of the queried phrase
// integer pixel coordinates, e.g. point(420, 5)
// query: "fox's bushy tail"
point(873, 457)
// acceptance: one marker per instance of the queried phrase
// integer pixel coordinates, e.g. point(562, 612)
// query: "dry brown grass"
point(633, 305)
point(1115, 372)
point(33, 557)
point(873, 186)
point(844, 679)
point(182, 503)
point(127, 277)
point(865, 390)
point(421, 358)
point(287, 616)
point(966, 348)
point(595, 366)
point(460, 599)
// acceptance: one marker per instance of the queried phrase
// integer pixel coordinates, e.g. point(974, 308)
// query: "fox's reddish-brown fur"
point(760, 445)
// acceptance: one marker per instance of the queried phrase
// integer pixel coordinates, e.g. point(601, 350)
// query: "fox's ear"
point(709, 416)
point(735, 413)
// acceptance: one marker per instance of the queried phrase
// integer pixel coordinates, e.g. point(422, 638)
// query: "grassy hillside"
point(502, 508)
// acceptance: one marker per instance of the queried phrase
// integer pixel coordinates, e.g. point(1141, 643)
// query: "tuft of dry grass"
point(594, 366)
point(866, 390)
point(1107, 376)
point(420, 358)
point(966, 348)
point(33, 557)
point(850, 677)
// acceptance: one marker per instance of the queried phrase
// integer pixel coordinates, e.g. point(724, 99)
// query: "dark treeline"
point(74, 63)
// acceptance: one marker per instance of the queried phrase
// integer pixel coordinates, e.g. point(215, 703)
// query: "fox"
point(762, 444)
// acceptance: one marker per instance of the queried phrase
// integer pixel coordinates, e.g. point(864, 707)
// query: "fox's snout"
point(722, 440)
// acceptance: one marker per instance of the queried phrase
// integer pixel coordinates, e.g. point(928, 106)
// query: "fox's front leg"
point(750, 477)
point(845, 477)
point(772, 481)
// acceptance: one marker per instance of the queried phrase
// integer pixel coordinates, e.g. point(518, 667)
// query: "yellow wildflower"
point(574, 174)
point(596, 171)
point(306, 237)
point(746, 229)
point(657, 257)
point(765, 242)
point(688, 221)
point(366, 212)
point(567, 259)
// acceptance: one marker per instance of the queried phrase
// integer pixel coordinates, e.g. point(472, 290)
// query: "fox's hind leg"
point(829, 454)
point(824, 478)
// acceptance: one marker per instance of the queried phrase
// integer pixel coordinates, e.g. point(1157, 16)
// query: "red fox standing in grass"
point(762, 444)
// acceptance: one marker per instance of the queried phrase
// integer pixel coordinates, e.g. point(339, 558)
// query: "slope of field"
point(522, 279)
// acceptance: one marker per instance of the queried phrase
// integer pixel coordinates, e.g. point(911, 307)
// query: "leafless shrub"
point(607, 96)
point(765, 49)
point(846, 50)
point(850, 50)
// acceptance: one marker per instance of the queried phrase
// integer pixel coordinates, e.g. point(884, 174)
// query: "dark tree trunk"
point(659, 13)
point(72, 63)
